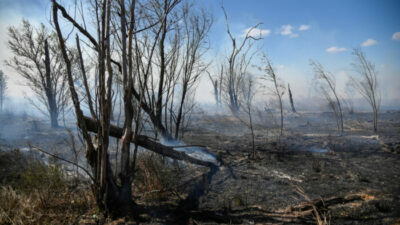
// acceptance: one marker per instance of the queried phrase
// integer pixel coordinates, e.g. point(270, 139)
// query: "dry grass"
point(155, 178)
point(34, 208)
point(321, 218)
point(39, 194)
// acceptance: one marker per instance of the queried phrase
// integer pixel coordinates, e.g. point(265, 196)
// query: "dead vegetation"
point(35, 193)
point(144, 60)
point(339, 184)
point(156, 179)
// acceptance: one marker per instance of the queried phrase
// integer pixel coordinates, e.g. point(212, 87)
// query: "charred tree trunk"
point(179, 117)
point(126, 182)
point(149, 144)
point(119, 195)
point(48, 87)
point(291, 99)
point(216, 92)
point(375, 119)
point(112, 199)
point(215, 85)
point(162, 65)
point(252, 135)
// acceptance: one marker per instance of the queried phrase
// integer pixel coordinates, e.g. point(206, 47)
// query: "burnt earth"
point(310, 156)
point(352, 179)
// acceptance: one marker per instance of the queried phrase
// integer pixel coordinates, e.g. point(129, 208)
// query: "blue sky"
point(339, 25)
point(344, 24)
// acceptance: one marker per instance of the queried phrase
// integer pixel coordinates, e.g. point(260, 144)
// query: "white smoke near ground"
point(193, 151)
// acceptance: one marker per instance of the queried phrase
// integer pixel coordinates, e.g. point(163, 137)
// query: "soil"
point(353, 178)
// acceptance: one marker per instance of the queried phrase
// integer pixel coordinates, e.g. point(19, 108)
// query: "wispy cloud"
point(335, 49)
point(304, 27)
point(369, 42)
point(255, 32)
point(286, 30)
point(396, 36)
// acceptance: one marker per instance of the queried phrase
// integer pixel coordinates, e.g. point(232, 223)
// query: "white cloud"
point(286, 30)
point(369, 42)
point(396, 36)
point(334, 49)
point(255, 32)
point(304, 27)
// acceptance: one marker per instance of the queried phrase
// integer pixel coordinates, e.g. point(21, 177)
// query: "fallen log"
point(149, 144)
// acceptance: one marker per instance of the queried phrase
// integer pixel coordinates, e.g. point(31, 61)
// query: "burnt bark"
point(113, 200)
point(48, 88)
point(215, 86)
point(113, 195)
point(179, 117)
point(162, 64)
point(291, 99)
point(149, 144)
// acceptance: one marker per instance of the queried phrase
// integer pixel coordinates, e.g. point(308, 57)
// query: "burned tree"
point(327, 86)
point(367, 84)
point(238, 61)
point(168, 75)
point(3, 88)
point(195, 30)
point(248, 90)
point(348, 100)
point(291, 99)
point(140, 30)
point(38, 60)
point(217, 84)
point(278, 88)
point(215, 87)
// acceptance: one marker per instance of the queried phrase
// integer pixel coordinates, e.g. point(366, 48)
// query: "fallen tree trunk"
point(148, 143)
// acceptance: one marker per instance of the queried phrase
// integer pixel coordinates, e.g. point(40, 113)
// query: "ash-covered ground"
point(351, 179)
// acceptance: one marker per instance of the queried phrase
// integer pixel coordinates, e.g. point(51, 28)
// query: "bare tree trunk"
point(340, 113)
point(252, 133)
point(126, 138)
point(279, 88)
point(375, 119)
point(216, 92)
point(291, 99)
point(179, 117)
point(162, 65)
point(53, 111)
point(215, 85)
